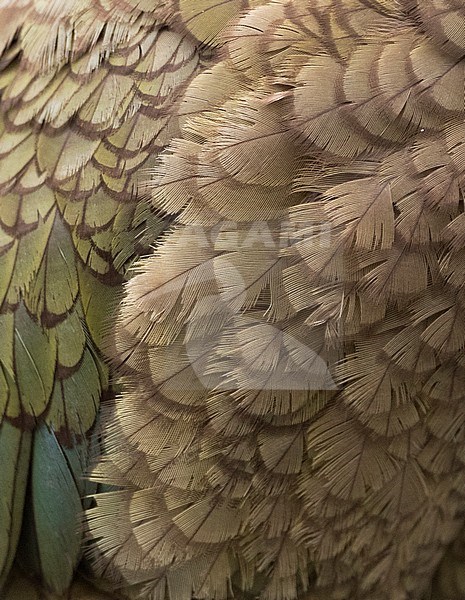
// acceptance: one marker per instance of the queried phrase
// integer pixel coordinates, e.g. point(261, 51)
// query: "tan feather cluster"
point(293, 352)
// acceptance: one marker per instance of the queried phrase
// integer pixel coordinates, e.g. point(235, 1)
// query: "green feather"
point(15, 447)
point(34, 355)
point(51, 519)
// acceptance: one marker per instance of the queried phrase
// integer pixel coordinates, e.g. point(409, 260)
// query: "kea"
point(232, 293)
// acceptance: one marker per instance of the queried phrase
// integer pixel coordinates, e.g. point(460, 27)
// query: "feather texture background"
point(291, 354)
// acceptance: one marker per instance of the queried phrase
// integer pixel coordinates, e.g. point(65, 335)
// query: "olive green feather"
point(85, 94)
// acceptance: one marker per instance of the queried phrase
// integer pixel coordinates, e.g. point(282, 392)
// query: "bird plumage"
point(84, 94)
point(291, 421)
point(290, 351)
